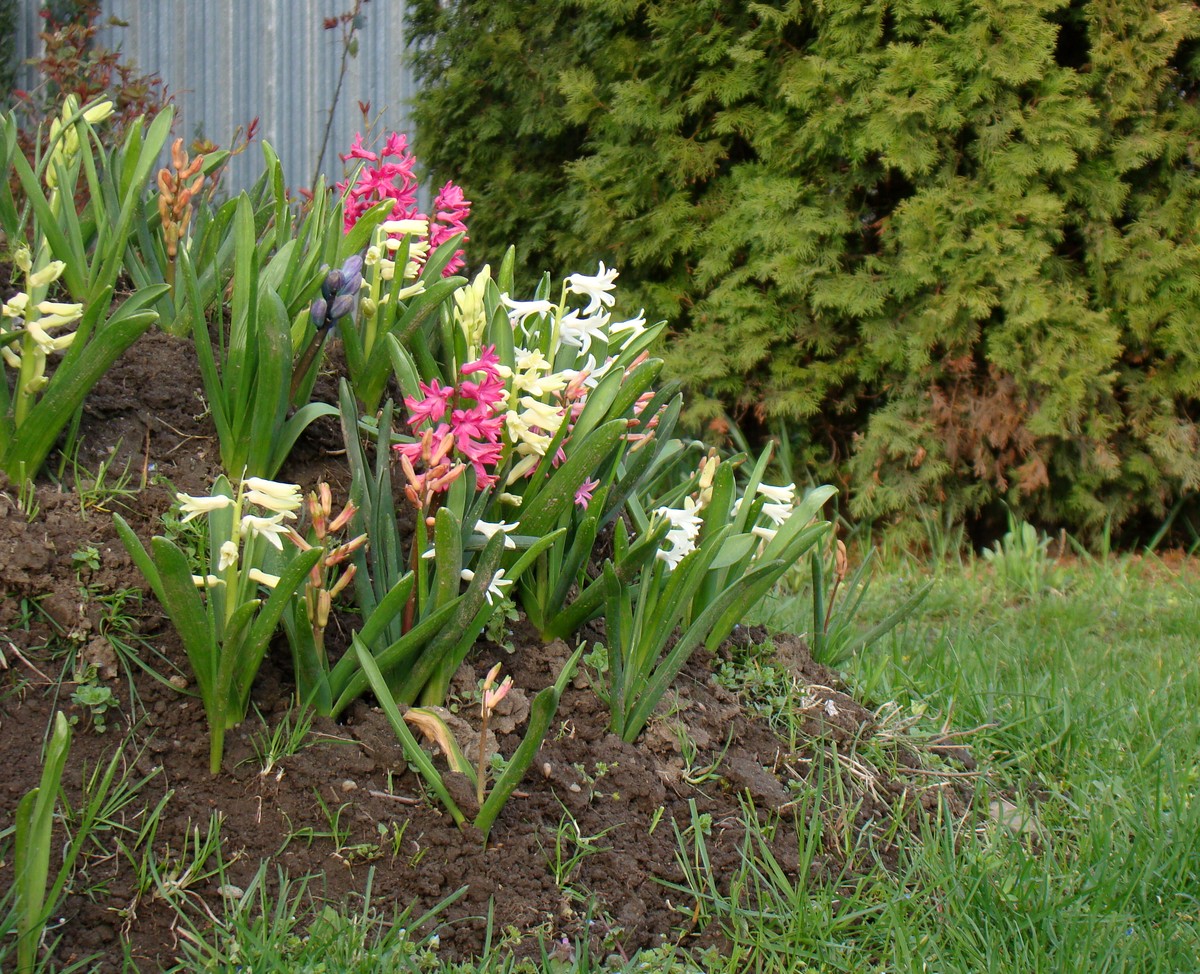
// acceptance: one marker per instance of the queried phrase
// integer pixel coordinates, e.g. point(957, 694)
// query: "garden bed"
point(587, 849)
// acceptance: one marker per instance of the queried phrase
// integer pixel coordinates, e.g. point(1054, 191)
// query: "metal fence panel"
point(227, 62)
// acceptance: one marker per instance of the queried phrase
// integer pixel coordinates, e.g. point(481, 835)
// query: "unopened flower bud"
point(341, 306)
point(346, 579)
point(352, 274)
point(343, 519)
point(98, 112)
point(318, 311)
point(332, 283)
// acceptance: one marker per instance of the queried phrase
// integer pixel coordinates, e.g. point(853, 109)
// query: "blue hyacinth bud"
point(332, 283)
point(342, 305)
point(317, 311)
point(352, 271)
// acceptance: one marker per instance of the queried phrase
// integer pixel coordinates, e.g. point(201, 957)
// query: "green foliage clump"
point(948, 247)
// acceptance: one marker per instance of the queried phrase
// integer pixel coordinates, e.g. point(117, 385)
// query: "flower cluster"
point(64, 140)
point(472, 431)
point(680, 541)
point(681, 538)
point(388, 175)
point(778, 507)
point(324, 583)
point(338, 291)
point(36, 320)
point(582, 327)
point(282, 500)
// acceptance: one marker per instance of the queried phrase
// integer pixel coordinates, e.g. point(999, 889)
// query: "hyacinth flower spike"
point(336, 300)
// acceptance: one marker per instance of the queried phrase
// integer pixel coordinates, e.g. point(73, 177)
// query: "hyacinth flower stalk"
point(35, 318)
point(92, 241)
point(389, 176)
point(76, 252)
point(305, 620)
point(492, 695)
point(178, 184)
point(339, 290)
point(227, 616)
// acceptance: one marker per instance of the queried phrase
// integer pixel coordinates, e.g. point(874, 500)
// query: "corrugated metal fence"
point(227, 62)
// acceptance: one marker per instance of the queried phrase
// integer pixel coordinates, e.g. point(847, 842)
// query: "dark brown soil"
point(587, 789)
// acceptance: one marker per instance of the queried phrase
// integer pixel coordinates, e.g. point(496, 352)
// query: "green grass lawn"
point(1086, 685)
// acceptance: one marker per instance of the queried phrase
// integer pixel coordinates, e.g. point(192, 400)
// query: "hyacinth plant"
point(388, 176)
point(246, 363)
point(403, 287)
point(721, 553)
point(221, 615)
point(69, 265)
point(306, 619)
point(410, 264)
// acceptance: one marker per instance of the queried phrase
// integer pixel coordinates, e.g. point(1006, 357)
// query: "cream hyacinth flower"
point(38, 321)
point(195, 506)
point(283, 499)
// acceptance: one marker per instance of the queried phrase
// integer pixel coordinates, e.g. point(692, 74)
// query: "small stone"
point(574, 787)
point(231, 892)
point(349, 785)
point(179, 681)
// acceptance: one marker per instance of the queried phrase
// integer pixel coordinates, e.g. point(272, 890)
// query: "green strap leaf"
point(412, 750)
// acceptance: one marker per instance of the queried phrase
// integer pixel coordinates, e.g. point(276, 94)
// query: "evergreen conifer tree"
point(949, 246)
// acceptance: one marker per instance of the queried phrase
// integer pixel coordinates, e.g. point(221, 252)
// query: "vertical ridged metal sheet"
point(227, 62)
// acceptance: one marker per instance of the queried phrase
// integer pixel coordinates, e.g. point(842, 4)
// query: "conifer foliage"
point(950, 247)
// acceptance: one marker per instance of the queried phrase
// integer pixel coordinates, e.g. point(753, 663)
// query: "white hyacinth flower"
point(767, 534)
point(596, 288)
point(263, 578)
point(778, 495)
point(521, 311)
point(778, 513)
point(280, 498)
point(229, 556)
point(417, 228)
point(46, 342)
point(15, 306)
point(270, 528)
point(495, 588)
point(48, 274)
point(634, 327)
point(580, 331)
point(489, 528)
point(685, 527)
point(195, 506)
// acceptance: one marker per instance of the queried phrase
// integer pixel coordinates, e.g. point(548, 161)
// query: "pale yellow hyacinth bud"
point(47, 275)
point(98, 112)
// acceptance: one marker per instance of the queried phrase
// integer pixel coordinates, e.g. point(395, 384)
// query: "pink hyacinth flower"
point(583, 496)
